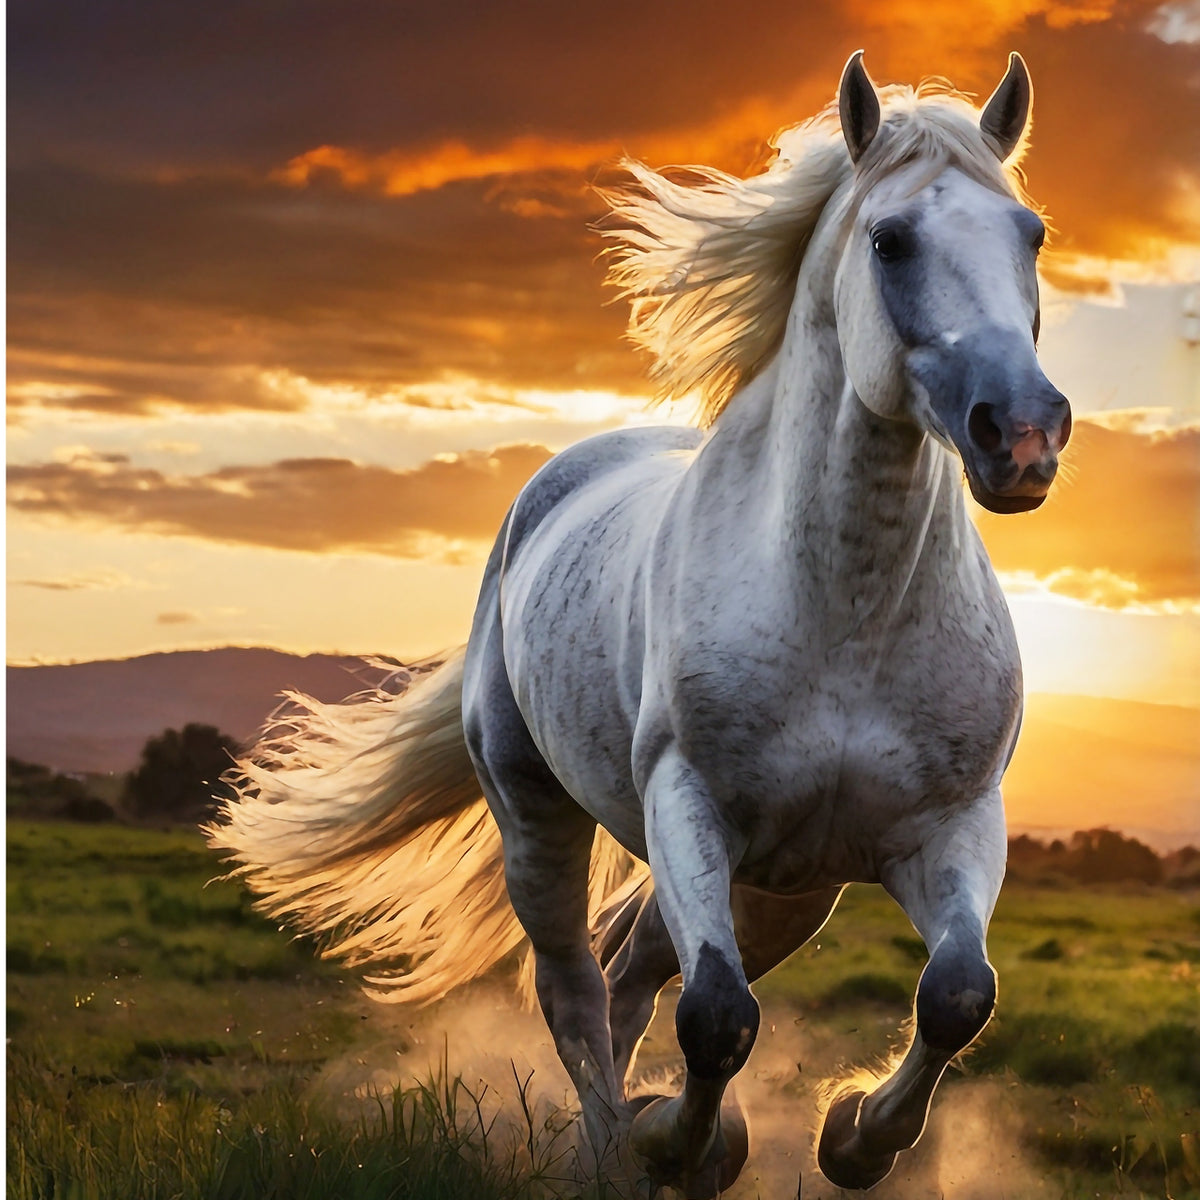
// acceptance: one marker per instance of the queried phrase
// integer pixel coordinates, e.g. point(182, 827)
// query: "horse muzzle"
point(1006, 419)
point(1011, 454)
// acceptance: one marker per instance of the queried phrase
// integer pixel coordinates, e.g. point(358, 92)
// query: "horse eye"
point(1032, 229)
point(890, 243)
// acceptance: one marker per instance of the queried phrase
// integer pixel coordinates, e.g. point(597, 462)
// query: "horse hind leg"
point(547, 843)
point(638, 959)
point(547, 884)
point(948, 892)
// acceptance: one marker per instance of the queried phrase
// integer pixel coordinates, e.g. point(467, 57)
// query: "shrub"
point(1055, 1049)
point(180, 773)
point(871, 988)
point(1174, 1048)
point(912, 948)
point(1048, 951)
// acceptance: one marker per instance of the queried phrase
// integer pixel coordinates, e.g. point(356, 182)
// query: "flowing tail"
point(362, 823)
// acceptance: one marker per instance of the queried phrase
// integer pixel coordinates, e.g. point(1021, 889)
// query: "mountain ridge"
point(1082, 761)
point(96, 716)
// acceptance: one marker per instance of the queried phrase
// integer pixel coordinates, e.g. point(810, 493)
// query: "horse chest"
point(816, 752)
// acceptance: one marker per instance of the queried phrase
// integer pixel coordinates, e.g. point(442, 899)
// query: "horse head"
point(936, 289)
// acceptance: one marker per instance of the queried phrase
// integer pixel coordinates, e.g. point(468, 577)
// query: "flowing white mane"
point(710, 261)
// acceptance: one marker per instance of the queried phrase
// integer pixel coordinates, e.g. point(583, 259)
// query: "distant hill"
point(1082, 761)
point(96, 716)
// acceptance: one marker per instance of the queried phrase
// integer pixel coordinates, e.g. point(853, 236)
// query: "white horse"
point(768, 658)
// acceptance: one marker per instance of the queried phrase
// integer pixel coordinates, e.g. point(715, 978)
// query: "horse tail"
point(362, 824)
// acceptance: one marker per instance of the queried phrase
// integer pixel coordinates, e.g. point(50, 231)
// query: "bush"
point(1104, 856)
point(88, 809)
point(1041, 1047)
point(179, 776)
point(913, 948)
point(871, 988)
point(1048, 951)
point(34, 790)
point(1175, 1048)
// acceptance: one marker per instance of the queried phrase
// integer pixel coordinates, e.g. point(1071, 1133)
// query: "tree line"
point(177, 780)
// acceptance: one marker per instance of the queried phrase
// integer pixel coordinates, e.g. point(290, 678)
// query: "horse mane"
point(710, 261)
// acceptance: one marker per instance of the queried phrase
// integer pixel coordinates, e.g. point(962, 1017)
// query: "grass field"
point(165, 1041)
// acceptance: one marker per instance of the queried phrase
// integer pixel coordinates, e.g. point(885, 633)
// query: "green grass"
point(166, 1041)
point(69, 1138)
point(1098, 1019)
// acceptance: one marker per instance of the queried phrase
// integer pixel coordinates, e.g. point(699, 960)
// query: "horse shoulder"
point(571, 607)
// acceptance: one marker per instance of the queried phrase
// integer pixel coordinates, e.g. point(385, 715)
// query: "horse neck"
point(871, 506)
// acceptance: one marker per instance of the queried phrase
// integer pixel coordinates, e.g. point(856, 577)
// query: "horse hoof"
point(843, 1155)
point(657, 1142)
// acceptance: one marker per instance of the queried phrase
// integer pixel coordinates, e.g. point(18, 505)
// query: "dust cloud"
point(970, 1150)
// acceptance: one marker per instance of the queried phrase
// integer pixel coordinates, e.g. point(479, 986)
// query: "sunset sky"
point(300, 294)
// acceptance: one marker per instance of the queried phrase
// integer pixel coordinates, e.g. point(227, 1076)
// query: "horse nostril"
point(985, 433)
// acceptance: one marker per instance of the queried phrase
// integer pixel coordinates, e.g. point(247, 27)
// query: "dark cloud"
point(102, 579)
point(255, 81)
point(1122, 525)
point(157, 255)
point(313, 504)
point(138, 293)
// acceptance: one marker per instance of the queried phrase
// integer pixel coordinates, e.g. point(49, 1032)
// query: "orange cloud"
point(176, 279)
point(1123, 191)
point(902, 35)
point(316, 505)
point(404, 172)
point(1099, 586)
point(1119, 530)
point(957, 26)
point(737, 135)
point(104, 579)
point(1122, 524)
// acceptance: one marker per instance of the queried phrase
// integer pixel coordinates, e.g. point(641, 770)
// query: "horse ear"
point(1006, 114)
point(858, 105)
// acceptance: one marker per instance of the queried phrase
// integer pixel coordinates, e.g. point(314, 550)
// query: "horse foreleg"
point(689, 1141)
point(948, 892)
point(639, 957)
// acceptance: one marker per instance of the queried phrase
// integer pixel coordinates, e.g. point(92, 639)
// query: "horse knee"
point(956, 996)
point(717, 1018)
